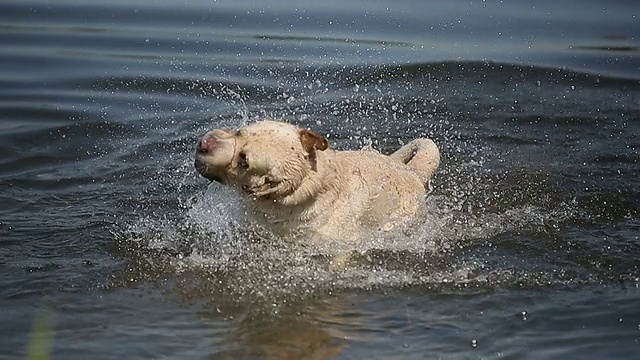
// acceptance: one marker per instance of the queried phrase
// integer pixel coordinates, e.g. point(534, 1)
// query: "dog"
point(295, 185)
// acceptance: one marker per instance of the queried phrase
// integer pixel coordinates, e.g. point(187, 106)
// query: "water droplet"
point(474, 343)
point(523, 314)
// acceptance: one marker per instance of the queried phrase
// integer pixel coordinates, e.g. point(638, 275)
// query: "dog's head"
point(267, 159)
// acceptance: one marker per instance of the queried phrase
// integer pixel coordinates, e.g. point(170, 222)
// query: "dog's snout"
point(206, 144)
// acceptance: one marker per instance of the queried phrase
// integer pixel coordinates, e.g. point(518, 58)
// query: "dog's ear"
point(312, 141)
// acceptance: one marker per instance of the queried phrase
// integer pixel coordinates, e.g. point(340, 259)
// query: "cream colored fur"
point(296, 185)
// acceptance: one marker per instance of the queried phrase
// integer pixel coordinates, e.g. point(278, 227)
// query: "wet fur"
point(295, 184)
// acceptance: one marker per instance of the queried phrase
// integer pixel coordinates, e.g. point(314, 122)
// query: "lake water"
point(111, 244)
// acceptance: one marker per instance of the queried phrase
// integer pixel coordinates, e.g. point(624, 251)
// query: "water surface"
point(529, 248)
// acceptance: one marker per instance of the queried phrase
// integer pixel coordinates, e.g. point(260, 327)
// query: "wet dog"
point(295, 184)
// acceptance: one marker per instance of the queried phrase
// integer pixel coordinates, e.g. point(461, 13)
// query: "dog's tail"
point(422, 156)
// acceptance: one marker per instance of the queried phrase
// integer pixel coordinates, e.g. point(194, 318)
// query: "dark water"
point(530, 248)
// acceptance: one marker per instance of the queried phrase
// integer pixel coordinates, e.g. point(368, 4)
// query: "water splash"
point(481, 230)
point(211, 249)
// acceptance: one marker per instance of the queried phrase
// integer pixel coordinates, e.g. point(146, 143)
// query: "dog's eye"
point(243, 162)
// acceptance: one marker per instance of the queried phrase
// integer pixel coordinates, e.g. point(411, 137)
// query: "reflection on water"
point(286, 337)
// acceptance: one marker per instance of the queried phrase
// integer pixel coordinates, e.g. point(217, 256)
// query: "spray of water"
point(209, 247)
point(212, 249)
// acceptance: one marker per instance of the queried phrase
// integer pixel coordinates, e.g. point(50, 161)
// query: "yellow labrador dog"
point(296, 185)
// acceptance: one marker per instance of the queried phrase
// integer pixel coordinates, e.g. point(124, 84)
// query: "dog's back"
point(369, 190)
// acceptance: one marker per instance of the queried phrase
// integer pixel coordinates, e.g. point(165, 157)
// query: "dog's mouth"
point(203, 169)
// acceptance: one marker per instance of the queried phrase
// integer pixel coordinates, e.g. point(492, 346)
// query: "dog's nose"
point(206, 144)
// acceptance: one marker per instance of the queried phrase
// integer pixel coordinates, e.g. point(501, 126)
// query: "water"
point(529, 249)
